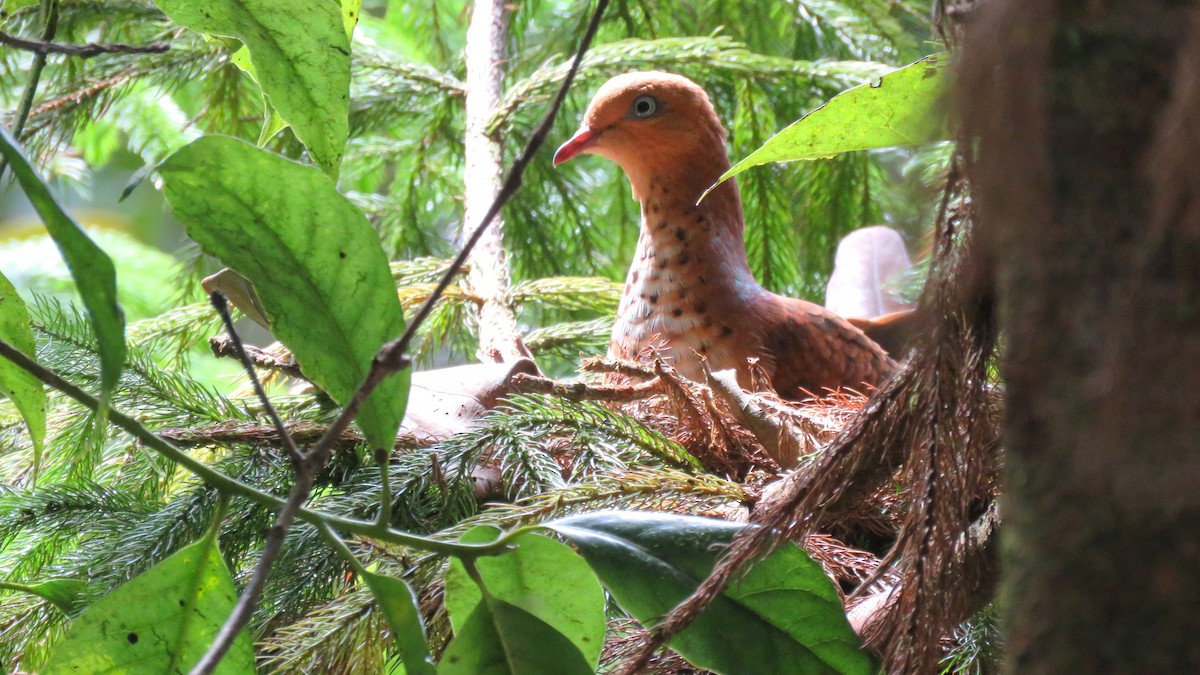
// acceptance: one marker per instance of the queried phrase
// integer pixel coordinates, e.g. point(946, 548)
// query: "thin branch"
point(50, 11)
point(302, 431)
point(222, 306)
point(608, 364)
point(223, 347)
point(231, 485)
point(582, 391)
point(248, 600)
point(392, 358)
point(84, 51)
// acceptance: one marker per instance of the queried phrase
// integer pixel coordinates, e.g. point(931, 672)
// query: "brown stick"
point(84, 51)
point(582, 391)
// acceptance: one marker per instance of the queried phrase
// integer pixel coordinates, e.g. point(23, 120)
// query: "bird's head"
point(654, 125)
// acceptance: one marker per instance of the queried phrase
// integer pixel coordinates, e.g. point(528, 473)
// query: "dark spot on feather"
point(677, 312)
point(634, 276)
point(654, 298)
point(726, 331)
point(680, 234)
point(700, 307)
point(703, 347)
point(662, 225)
point(683, 258)
point(708, 322)
point(663, 262)
point(702, 279)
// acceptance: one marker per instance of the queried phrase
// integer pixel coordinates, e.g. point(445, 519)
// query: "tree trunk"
point(488, 279)
point(1087, 209)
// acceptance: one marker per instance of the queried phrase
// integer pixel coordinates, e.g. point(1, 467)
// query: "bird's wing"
point(817, 350)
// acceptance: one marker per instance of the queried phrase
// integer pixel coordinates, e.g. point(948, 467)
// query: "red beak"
point(580, 142)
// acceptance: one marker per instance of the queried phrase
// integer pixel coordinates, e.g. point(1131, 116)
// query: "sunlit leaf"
point(399, 605)
point(502, 639)
point(91, 268)
point(783, 616)
point(897, 109)
point(161, 621)
point(541, 576)
point(23, 389)
point(301, 57)
point(62, 593)
point(312, 256)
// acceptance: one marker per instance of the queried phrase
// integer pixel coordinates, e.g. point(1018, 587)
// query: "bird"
point(689, 292)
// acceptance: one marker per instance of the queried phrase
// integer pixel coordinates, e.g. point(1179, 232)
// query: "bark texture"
point(1087, 193)
point(488, 278)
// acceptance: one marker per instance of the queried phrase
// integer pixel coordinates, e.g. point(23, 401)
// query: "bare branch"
point(84, 51)
point(582, 391)
point(608, 364)
point(50, 12)
point(392, 358)
point(222, 307)
point(223, 347)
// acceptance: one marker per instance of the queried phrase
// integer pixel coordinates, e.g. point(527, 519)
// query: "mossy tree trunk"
point(1087, 190)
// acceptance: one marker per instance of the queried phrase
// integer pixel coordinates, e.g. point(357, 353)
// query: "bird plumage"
point(690, 288)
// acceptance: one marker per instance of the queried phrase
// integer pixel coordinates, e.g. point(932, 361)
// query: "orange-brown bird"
point(690, 285)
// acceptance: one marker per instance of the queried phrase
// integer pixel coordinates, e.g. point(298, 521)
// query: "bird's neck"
point(689, 270)
point(685, 243)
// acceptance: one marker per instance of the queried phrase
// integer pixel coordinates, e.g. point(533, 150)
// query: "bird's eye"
point(644, 106)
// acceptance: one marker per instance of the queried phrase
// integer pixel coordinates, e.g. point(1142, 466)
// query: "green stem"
point(385, 492)
point(340, 546)
point(230, 485)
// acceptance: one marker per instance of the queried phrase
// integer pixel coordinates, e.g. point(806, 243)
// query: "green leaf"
point(23, 389)
point(62, 593)
point(350, 12)
point(897, 109)
point(541, 576)
point(399, 605)
point(301, 57)
point(501, 639)
point(161, 621)
point(90, 267)
point(783, 616)
point(312, 256)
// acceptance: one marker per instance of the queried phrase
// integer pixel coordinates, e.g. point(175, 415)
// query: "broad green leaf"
point(24, 390)
point(541, 576)
point(503, 639)
point(350, 12)
point(312, 256)
point(399, 605)
point(301, 58)
point(783, 616)
point(161, 621)
point(898, 109)
point(90, 267)
point(62, 593)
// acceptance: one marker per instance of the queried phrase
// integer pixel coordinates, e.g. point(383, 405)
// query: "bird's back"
point(814, 350)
